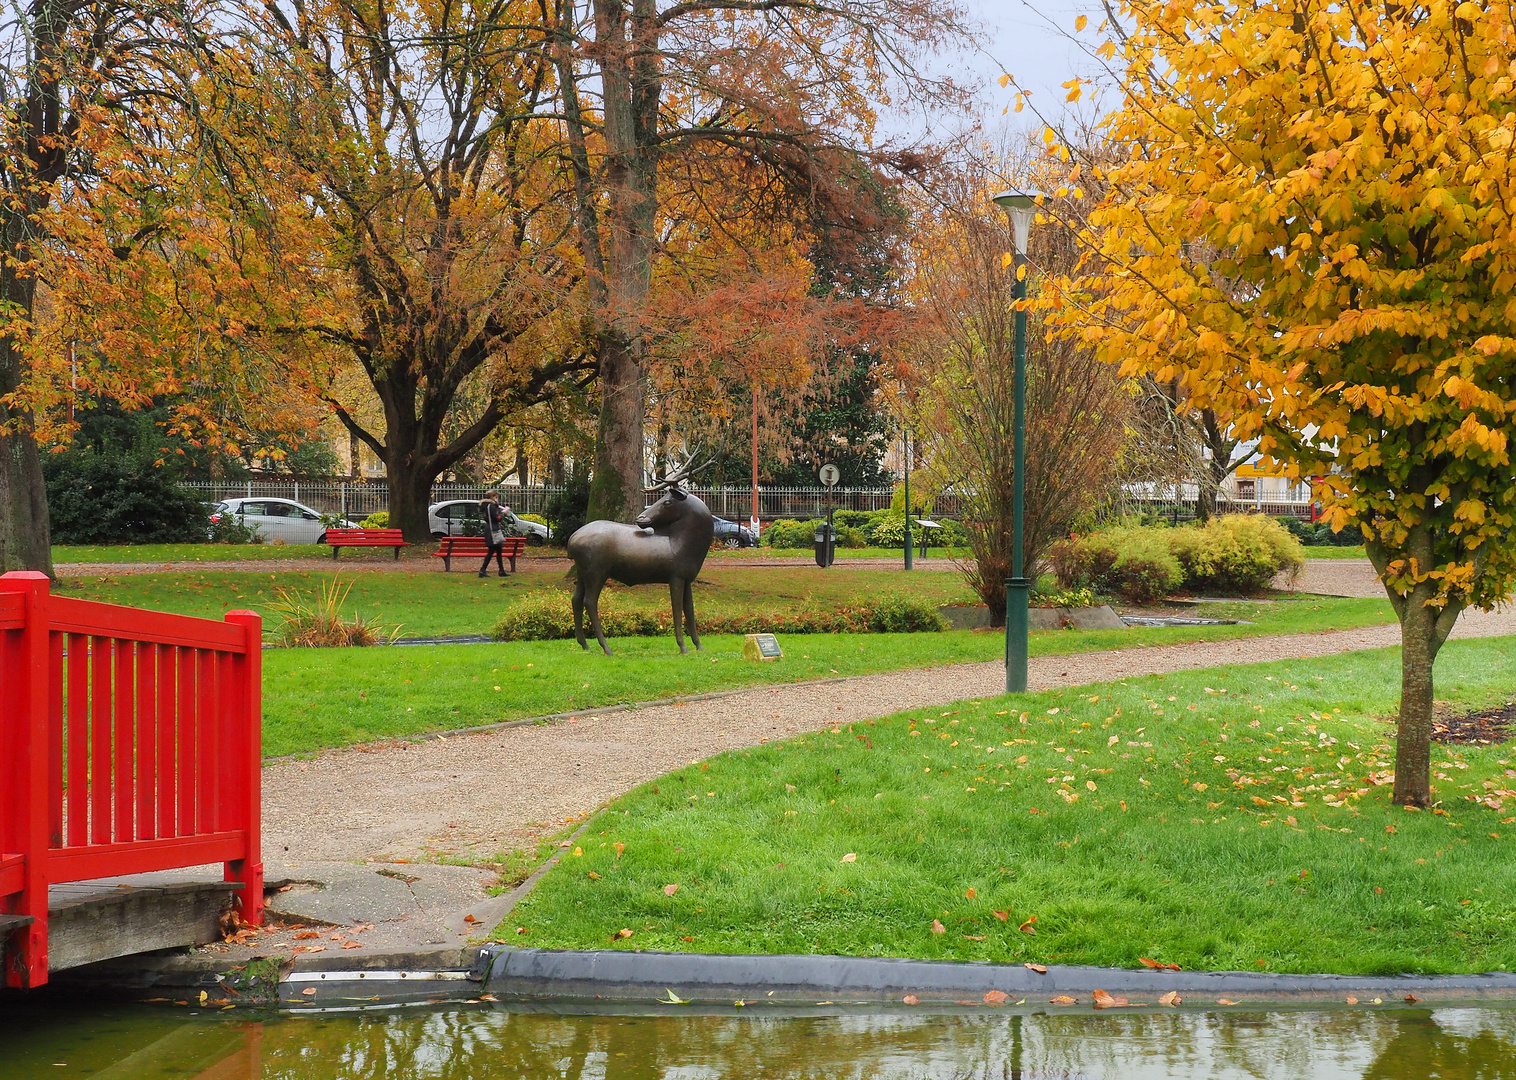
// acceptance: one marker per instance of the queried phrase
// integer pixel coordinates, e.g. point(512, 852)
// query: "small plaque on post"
point(761, 647)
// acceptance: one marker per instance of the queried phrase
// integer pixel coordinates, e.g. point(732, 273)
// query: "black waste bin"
point(826, 544)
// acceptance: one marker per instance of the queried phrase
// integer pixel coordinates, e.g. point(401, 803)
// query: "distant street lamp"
point(1020, 207)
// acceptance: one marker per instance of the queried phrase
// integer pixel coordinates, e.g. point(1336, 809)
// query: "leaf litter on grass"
point(1203, 877)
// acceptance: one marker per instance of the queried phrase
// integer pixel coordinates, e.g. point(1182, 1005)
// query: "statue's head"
point(676, 503)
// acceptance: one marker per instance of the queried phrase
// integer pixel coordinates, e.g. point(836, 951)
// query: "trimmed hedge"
point(549, 617)
point(1233, 554)
point(861, 528)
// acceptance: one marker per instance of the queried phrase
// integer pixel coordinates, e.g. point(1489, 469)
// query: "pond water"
point(500, 1042)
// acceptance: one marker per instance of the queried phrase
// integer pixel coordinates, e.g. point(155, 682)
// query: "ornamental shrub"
point(788, 533)
point(1145, 570)
point(119, 498)
point(856, 519)
point(1237, 553)
point(379, 519)
point(549, 617)
point(1084, 562)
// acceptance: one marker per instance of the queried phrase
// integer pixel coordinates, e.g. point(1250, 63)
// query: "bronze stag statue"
point(667, 545)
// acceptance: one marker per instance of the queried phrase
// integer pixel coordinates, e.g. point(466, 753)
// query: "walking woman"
point(494, 531)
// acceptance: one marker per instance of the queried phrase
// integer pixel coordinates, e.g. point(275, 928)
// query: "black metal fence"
point(358, 499)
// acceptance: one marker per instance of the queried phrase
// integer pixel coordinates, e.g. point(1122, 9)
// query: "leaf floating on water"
point(910, 999)
point(1103, 1000)
point(672, 999)
point(1225, 1001)
point(1352, 1000)
point(1040, 969)
point(1063, 999)
point(1411, 999)
point(1171, 998)
point(996, 997)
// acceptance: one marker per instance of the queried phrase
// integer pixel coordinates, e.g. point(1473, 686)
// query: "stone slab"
point(99, 920)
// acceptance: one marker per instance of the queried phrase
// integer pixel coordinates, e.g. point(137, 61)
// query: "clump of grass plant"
point(1229, 819)
point(316, 621)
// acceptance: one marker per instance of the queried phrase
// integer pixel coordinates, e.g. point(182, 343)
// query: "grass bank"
point(180, 553)
point(1227, 819)
point(316, 698)
point(429, 603)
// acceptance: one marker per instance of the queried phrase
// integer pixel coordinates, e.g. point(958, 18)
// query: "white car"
point(278, 519)
point(462, 517)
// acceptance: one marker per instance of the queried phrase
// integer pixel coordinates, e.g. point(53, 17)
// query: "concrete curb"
point(614, 974)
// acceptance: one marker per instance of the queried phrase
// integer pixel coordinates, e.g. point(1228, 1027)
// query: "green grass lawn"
point(1236, 818)
point(1331, 551)
point(428, 603)
point(137, 553)
point(315, 698)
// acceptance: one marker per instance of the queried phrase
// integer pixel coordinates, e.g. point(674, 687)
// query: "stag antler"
point(678, 476)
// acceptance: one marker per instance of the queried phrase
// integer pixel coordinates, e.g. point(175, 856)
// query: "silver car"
point(277, 519)
point(462, 517)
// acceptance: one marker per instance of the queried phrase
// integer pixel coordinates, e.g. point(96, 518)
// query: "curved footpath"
point(476, 794)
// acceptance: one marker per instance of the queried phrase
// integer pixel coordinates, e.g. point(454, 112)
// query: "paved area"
point(474, 795)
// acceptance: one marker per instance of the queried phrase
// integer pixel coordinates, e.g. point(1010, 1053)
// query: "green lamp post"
point(1020, 207)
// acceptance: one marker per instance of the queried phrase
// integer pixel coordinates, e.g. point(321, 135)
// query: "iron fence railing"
point(358, 499)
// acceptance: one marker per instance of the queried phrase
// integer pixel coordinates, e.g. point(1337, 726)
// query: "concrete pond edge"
point(617, 980)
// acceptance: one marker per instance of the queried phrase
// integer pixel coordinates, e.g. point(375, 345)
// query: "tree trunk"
point(616, 489)
point(1423, 629)
point(1413, 736)
point(25, 533)
point(410, 496)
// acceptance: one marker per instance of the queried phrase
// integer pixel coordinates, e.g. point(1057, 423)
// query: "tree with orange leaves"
point(1311, 229)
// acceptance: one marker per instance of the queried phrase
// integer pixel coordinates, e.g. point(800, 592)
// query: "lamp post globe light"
point(1021, 208)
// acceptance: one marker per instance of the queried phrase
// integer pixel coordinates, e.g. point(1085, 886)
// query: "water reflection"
point(464, 1043)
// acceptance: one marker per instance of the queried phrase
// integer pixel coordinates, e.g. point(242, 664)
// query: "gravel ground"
point(474, 795)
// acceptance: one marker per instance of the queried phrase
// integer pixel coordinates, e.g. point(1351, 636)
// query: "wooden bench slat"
point(464, 547)
point(341, 538)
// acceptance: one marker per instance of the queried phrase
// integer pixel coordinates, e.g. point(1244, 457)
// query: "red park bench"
point(341, 538)
point(473, 547)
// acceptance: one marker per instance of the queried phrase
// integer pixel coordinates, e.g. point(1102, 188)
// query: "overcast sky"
point(1022, 39)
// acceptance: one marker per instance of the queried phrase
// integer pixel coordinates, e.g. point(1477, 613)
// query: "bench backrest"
point(375, 536)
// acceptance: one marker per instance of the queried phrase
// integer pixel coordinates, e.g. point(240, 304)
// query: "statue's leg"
point(689, 613)
point(579, 612)
point(592, 602)
point(676, 602)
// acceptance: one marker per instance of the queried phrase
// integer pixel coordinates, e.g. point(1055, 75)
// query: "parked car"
point(732, 534)
point(278, 519)
point(462, 517)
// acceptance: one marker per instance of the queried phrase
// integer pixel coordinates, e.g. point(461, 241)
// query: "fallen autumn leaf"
point(996, 997)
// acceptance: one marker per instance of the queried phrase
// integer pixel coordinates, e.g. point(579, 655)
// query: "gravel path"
point(479, 794)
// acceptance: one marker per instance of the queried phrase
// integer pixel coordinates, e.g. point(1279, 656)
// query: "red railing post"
point(242, 751)
point(24, 753)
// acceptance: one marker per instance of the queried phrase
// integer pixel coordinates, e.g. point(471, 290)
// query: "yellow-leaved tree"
point(1311, 228)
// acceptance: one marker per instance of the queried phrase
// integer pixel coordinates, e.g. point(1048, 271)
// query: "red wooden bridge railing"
point(130, 741)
